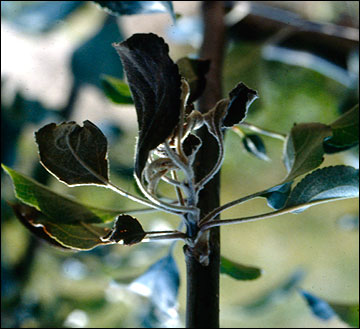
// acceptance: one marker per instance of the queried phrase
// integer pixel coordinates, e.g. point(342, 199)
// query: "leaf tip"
point(4, 167)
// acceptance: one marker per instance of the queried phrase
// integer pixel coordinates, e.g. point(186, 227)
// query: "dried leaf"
point(241, 97)
point(127, 229)
point(154, 82)
point(191, 145)
point(61, 146)
point(214, 117)
point(194, 71)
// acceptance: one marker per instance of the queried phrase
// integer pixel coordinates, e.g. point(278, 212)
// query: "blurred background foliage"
point(53, 56)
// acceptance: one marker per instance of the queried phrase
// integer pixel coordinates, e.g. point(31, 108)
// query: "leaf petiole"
point(208, 225)
point(220, 140)
point(165, 235)
point(108, 184)
point(185, 93)
point(228, 205)
point(173, 209)
point(262, 131)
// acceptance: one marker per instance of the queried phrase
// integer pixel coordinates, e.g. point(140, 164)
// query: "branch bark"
point(202, 310)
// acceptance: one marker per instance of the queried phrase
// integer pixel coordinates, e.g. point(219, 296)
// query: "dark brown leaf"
point(58, 143)
point(241, 98)
point(194, 71)
point(126, 228)
point(154, 82)
point(191, 145)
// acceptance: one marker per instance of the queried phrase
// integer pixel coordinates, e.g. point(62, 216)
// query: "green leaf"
point(63, 147)
point(238, 271)
point(25, 214)
point(57, 208)
point(345, 132)
point(349, 313)
point(304, 150)
point(326, 183)
point(277, 196)
point(326, 310)
point(127, 229)
point(255, 146)
point(116, 90)
point(79, 236)
point(194, 71)
point(155, 85)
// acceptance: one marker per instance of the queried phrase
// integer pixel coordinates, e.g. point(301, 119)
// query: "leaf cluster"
point(164, 93)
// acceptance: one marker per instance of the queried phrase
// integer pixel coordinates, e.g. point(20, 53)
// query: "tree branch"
point(202, 310)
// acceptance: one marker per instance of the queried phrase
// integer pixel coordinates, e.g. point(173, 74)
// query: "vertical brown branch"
point(202, 310)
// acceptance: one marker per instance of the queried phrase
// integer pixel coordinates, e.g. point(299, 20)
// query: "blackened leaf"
point(191, 145)
point(241, 97)
point(303, 150)
point(79, 236)
point(345, 132)
point(154, 82)
point(116, 90)
point(56, 207)
point(349, 313)
point(62, 146)
point(238, 271)
point(126, 229)
point(160, 283)
point(277, 196)
point(137, 7)
point(194, 71)
point(214, 117)
point(321, 309)
point(326, 183)
point(255, 145)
